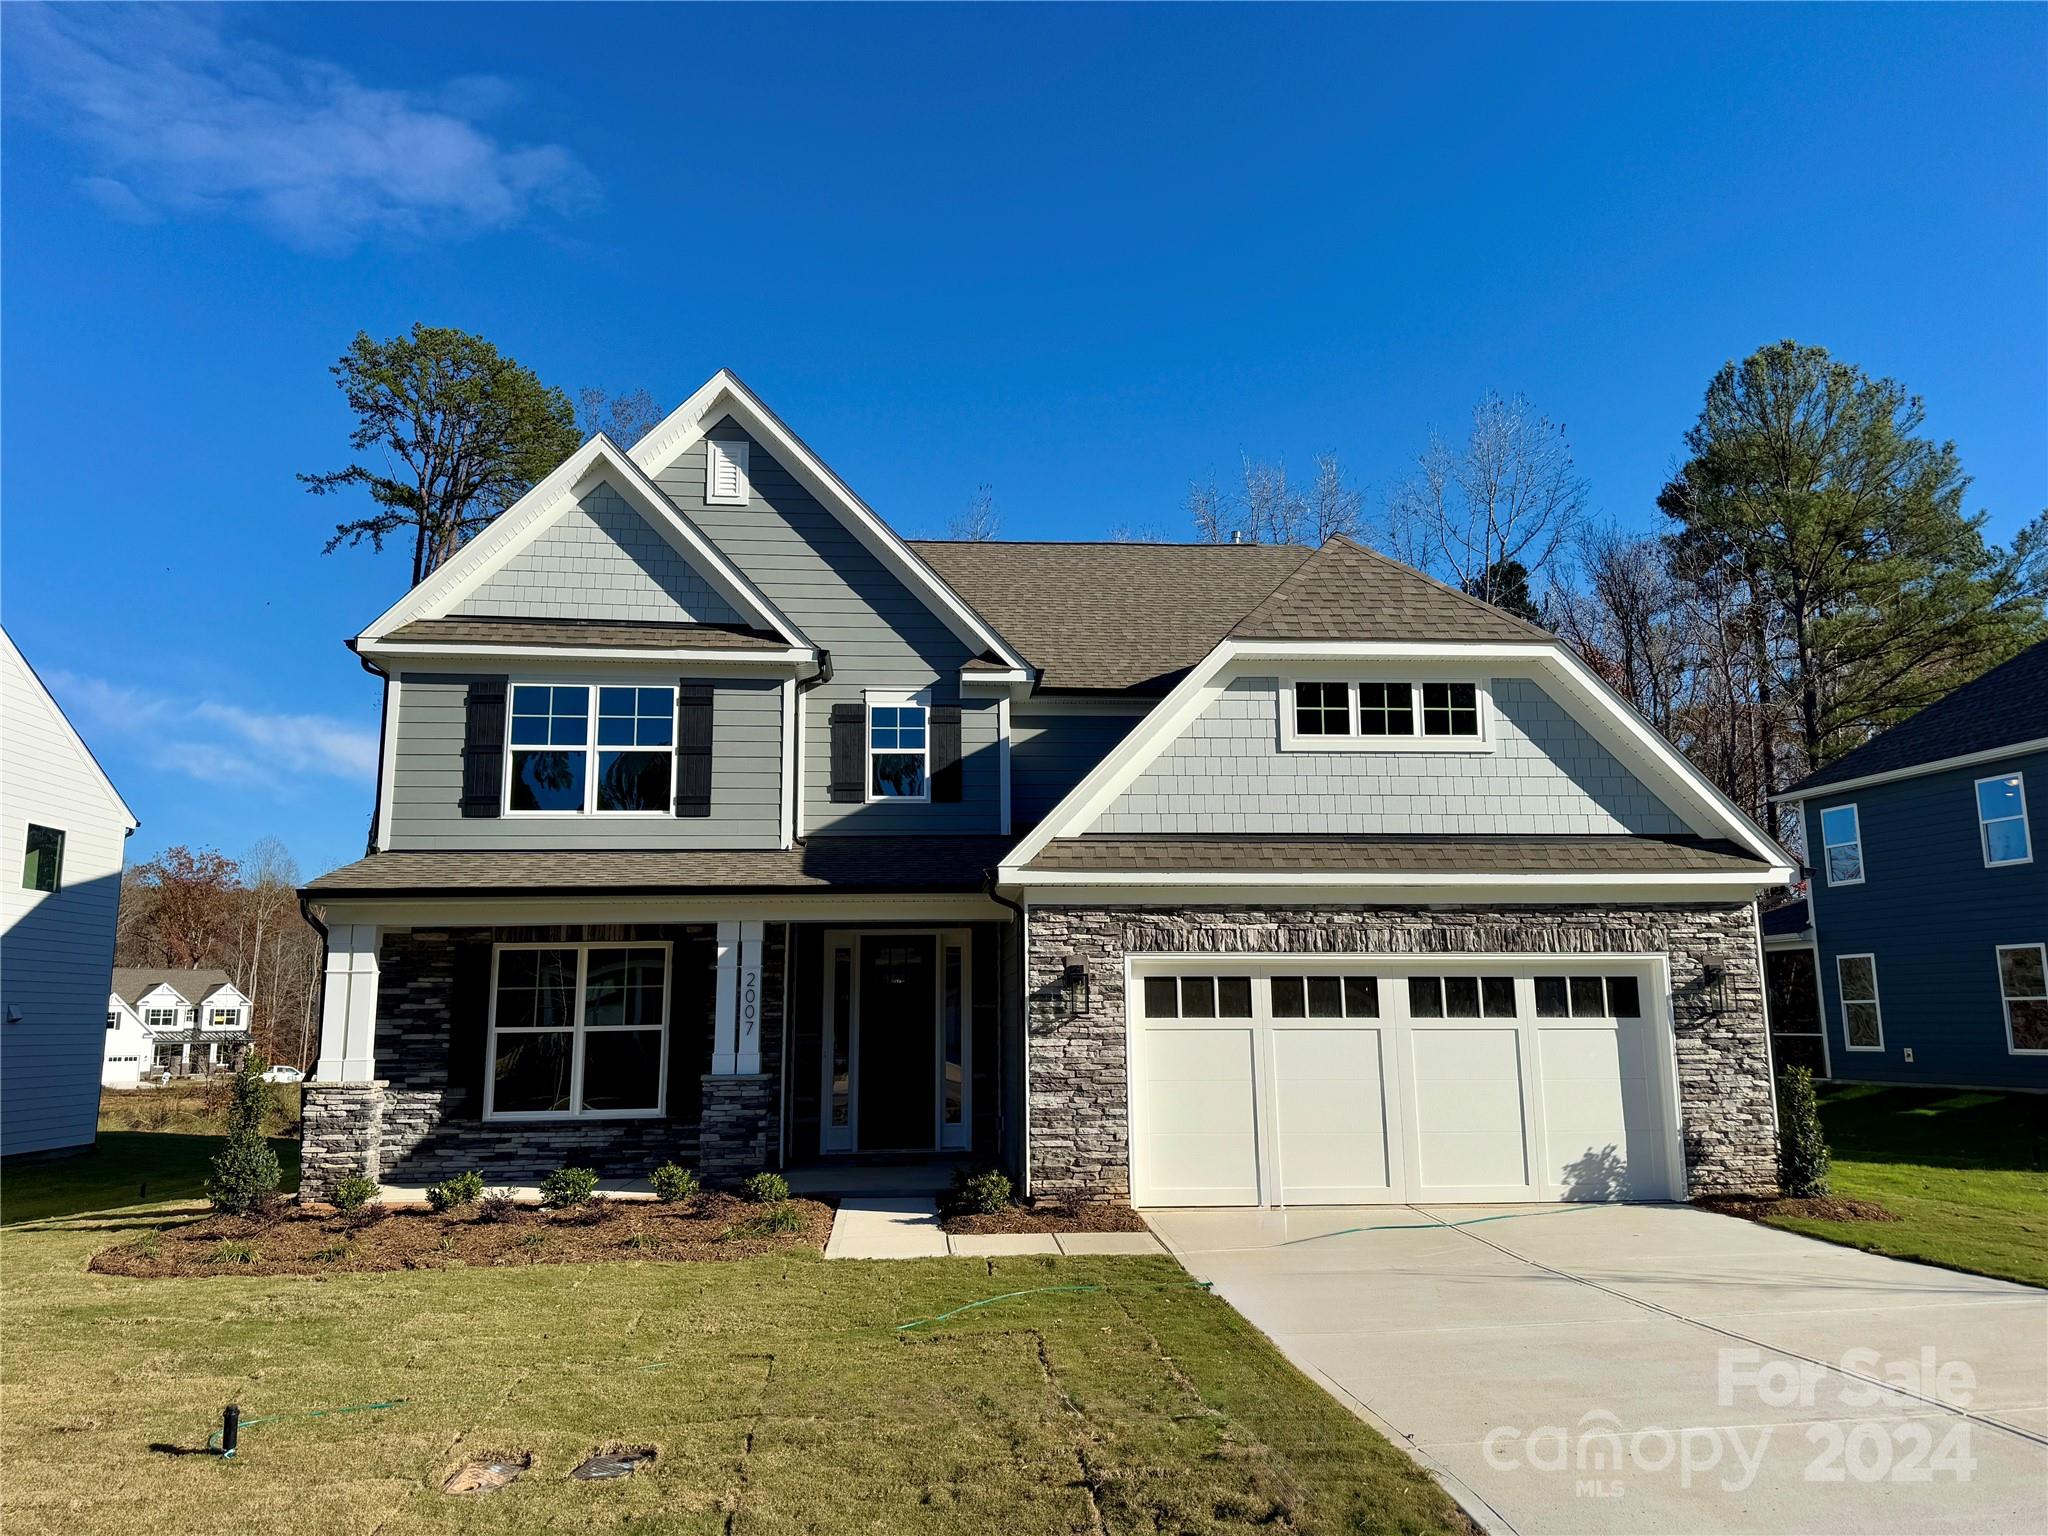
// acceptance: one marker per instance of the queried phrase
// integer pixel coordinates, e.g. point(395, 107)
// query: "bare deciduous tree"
point(1509, 495)
point(981, 522)
point(1211, 512)
point(625, 417)
point(1334, 505)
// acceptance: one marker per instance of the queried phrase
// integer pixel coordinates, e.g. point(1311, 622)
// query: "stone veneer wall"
point(421, 1122)
point(1080, 1118)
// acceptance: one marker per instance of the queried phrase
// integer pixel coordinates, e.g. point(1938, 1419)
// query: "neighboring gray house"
point(67, 826)
point(717, 822)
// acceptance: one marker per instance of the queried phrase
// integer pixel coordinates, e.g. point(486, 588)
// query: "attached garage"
point(1355, 1080)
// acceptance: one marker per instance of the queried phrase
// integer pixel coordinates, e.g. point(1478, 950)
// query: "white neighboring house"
point(177, 1021)
point(62, 818)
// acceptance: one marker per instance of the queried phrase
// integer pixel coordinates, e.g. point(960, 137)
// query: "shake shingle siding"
point(881, 635)
point(600, 560)
point(746, 772)
point(1546, 775)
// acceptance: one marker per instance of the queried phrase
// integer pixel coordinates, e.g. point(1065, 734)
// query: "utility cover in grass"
point(487, 1474)
point(604, 1467)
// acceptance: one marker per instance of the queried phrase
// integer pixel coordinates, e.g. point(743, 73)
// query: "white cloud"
point(182, 118)
point(216, 741)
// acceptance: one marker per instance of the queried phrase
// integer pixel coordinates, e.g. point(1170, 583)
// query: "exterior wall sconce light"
point(1074, 982)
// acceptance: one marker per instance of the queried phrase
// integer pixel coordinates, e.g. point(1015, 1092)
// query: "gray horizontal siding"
point(1546, 775)
point(600, 560)
point(746, 775)
point(880, 634)
point(1050, 754)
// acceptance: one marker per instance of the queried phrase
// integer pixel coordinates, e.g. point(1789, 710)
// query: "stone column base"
point(738, 1134)
point(341, 1132)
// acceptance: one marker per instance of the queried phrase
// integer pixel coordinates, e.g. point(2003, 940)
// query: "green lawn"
point(779, 1392)
point(1965, 1173)
point(123, 1168)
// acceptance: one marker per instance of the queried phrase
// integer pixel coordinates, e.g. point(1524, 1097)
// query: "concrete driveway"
point(1651, 1368)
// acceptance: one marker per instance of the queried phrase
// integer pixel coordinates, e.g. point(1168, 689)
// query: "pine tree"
point(245, 1174)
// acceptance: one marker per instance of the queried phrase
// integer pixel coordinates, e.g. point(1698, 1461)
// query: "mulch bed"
point(311, 1240)
point(1830, 1209)
point(1049, 1216)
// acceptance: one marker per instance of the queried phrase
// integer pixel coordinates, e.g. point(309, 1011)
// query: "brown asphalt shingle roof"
point(1345, 591)
point(1591, 855)
point(1123, 617)
point(934, 863)
point(131, 982)
point(590, 632)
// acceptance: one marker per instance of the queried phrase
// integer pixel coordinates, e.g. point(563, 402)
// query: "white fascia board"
point(472, 910)
point(1607, 886)
point(1209, 890)
point(995, 682)
point(598, 460)
point(1803, 939)
point(724, 395)
point(91, 763)
point(1918, 770)
point(711, 659)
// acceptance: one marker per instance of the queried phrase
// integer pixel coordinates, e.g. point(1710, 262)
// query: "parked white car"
point(283, 1075)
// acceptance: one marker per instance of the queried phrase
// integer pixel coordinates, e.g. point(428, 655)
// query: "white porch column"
point(725, 1055)
point(348, 1013)
point(750, 999)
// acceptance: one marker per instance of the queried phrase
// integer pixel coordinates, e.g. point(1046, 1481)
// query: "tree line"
point(1812, 575)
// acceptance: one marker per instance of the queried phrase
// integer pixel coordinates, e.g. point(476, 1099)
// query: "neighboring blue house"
point(1929, 890)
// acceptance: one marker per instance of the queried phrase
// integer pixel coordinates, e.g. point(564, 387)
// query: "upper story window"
point(899, 751)
point(162, 1018)
point(113, 1021)
point(42, 862)
point(1841, 845)
point(2023, 983)
point(225, 1018)
point(555, 731)
point(1379, 716)
point(2002, 820)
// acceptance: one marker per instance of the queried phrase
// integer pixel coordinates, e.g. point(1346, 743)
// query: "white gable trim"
point(724, 395)
point(600, 460)
point(91, 763)
point(1594, 705)
point(1804, 792)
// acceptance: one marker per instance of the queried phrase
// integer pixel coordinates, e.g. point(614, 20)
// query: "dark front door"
point(898, 1018)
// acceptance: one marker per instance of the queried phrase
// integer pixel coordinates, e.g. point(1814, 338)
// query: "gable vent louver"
point(725, 473)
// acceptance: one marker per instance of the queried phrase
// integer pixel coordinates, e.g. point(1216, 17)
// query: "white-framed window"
point(899, 748)
point(225, 1018)
point(2002, 820)
point(576, 749)
point(1862, 1020)
point(1384, 715)
point(2023, 986)
point(1841, 845)
point(578, 1031)
point(726, 479)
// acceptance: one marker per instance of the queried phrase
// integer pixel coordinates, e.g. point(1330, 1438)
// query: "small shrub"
point(353, 1193)
point(158, 1113)
point(151, 1245)
point(568, 1186)
point(448, 1242)
point(245, 1174)
point(776, 1219)
point(1802, 1145)
point(498, 1205)
point(332, 1253)
point(766, 1188)
point(674, 1183)
point(234, 1250)
point(980, 1194)
point(642, 1240)
point(534, 1240)
point(465, 1189)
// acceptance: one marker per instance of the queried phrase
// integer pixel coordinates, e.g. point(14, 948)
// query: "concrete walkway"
point(1640, 1368)
point(907, 1227)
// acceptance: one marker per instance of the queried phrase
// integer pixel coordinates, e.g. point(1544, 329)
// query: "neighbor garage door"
point(1325, 1083)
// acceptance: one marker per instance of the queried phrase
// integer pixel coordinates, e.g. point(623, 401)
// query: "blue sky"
point(1079, 254)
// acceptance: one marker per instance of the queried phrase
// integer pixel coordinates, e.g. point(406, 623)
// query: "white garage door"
point(1355, 1082)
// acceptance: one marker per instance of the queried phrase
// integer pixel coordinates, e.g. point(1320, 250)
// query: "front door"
point(898, 1018)
point(897, 1053)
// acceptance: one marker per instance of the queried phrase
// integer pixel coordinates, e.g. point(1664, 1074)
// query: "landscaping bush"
point(980, 1194)
point(353, 1193)
point(1802, 1146)
point(766, 1188)
point(568, 1186)
point(777, 1219)
point(245, 1175)
point(465, 1189)
point(674, 1183)
point(498, 1205)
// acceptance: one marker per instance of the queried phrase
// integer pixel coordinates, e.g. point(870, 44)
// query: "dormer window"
point(1376, 715)
point(726, 482)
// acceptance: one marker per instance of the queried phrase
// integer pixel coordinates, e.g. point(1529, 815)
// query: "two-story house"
point(718, 822)
point(184, 1022)
point(1928, 904)
point(63, 819)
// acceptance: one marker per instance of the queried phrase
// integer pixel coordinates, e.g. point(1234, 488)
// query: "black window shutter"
point(469, 1021)
point(849, 752)
point(483, 746)
point(693, 749)
point(945, 748)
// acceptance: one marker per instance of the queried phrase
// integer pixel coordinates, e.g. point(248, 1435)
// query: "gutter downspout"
point(804, 685)
point(1023, 928)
